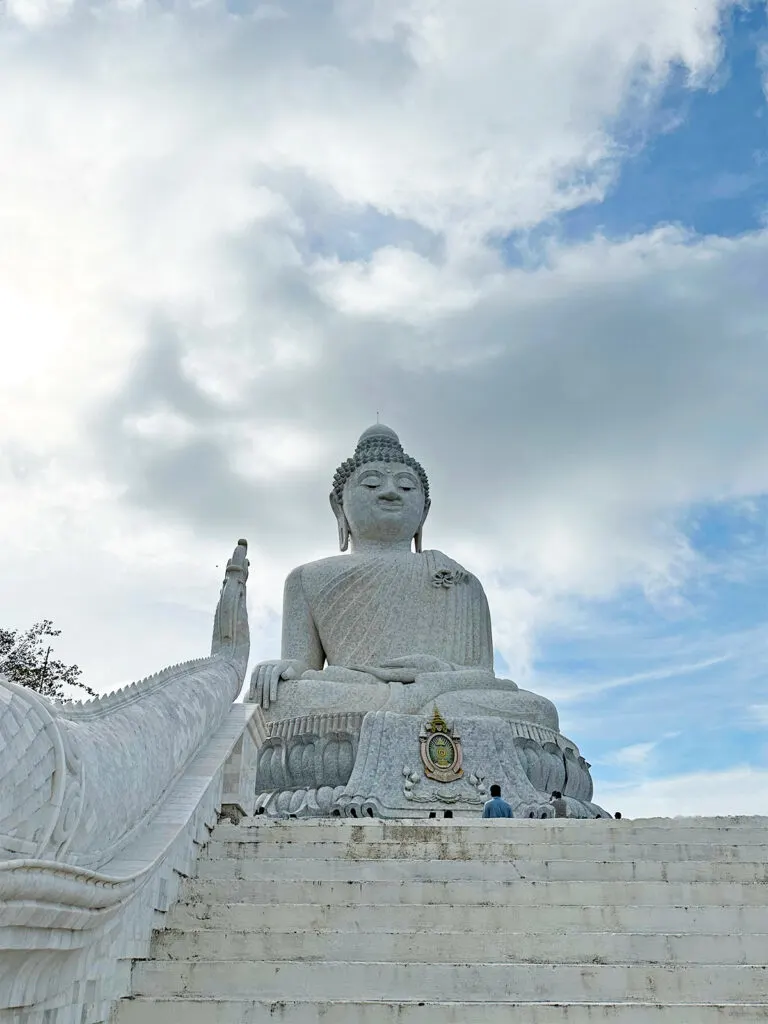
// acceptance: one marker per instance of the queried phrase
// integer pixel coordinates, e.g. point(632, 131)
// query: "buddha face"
point(384, 502)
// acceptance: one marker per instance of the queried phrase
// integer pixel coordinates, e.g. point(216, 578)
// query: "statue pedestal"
point(394, 776)
point(392, 765)
point(390, 778)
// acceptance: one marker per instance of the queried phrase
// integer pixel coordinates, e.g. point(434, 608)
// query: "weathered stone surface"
point(103, 807)
point(104, 810)
point(448, 981)
point(421, 1011)
point(457, 922)
point(385, 633)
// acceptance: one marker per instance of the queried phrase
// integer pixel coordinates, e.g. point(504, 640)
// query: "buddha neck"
point(361, 546)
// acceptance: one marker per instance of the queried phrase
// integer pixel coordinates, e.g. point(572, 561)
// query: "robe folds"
point(369, 608)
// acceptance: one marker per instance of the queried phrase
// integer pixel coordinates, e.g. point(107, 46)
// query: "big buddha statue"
point(386, 648)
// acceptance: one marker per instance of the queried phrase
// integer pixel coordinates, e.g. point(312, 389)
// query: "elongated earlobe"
point(343, 533)
point(341, 522)
point(418, 536)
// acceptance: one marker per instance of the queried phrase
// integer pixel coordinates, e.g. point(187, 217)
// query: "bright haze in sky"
point(531, 235)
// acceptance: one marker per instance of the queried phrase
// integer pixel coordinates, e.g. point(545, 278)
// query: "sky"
point(533, 238)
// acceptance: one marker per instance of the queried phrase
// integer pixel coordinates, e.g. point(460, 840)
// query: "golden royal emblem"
point(440, 750)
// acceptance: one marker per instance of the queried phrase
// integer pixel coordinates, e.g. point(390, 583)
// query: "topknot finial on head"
point(379, 432)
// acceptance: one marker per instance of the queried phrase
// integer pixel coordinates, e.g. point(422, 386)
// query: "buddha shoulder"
point(312, 577)
point(315, 572)
point(435, 567)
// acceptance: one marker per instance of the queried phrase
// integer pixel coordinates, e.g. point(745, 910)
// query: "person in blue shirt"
point(496, 807)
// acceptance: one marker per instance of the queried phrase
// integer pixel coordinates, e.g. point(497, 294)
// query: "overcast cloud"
point(230, 234)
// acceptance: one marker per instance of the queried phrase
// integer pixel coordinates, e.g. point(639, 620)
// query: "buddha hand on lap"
point(405, 669)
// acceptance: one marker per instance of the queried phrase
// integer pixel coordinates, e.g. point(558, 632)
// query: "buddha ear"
point(341, 521)
point(417, 537)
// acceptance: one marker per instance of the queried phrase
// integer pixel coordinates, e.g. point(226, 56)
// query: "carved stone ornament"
point(440, 750)
point(447, 578)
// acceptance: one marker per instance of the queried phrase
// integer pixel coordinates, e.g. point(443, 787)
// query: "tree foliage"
point(26, 658)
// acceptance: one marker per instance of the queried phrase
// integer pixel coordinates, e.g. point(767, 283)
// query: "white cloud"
point(146, 165)
point(739, 790)
point(573, 689)
point(634, 755)
point(227, 241)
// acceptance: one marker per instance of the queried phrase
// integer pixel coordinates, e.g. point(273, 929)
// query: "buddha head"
point(380, 495)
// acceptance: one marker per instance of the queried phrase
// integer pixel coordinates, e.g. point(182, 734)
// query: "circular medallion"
point(442, 751)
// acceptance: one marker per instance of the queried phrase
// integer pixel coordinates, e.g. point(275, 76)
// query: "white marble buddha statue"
point(387, 625)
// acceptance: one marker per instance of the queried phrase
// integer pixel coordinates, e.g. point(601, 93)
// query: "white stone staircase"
point(520, 922)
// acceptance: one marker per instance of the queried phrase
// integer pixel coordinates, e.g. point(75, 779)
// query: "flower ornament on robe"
point(448, 577)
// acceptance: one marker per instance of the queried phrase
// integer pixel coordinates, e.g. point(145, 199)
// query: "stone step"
point(507, 893)
point(454, 848)
point(749, 831)
point(255, 1011)
point(452, 946)
point(536, 918)
point(296, 869)
point(492, 982)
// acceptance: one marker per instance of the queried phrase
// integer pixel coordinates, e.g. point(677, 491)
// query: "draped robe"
point(368, 609)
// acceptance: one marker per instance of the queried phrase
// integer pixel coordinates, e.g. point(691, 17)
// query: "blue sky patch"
point(703, 160)
point(680, 685)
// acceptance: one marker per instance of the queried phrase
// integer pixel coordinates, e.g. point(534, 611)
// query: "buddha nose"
point(389, 492)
